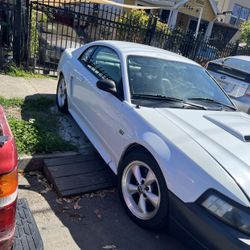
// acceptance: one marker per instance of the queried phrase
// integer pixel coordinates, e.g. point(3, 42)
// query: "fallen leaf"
point(76, 206)
point(46, 190)
point(109, 247)
point(59, 200)
point(32, 173)
point(68, 200)
point(97, 212)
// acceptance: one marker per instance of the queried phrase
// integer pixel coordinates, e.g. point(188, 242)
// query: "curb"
point(35, 162)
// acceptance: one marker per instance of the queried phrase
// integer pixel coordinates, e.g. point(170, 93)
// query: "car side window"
point(105, 63)
point(86, 54)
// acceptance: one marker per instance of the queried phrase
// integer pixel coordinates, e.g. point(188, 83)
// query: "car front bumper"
point(200, 230)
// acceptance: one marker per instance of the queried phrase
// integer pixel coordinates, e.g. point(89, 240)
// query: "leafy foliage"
point(13, 102)
point(40, 17)
point(13, 70)
point(37, 130)
point(245, 32)
point(137, 18)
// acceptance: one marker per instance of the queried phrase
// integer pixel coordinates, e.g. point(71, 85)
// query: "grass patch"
point(37, 130)
point(13, 102)
point(13, 70)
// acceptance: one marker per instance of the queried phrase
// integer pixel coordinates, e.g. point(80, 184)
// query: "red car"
point(8, 184)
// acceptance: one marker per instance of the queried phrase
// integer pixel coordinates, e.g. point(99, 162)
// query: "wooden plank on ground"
point(70, 159)
point(78, 174)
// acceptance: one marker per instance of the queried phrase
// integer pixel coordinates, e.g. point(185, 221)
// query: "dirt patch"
point(14, 112)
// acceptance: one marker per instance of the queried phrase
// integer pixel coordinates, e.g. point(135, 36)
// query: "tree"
point(245, 32)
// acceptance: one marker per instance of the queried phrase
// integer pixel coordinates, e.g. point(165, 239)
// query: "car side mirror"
point(107, 85)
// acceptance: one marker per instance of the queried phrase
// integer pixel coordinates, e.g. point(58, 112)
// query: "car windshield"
point(158, 77)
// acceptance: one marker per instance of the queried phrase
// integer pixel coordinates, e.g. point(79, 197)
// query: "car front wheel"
point(61, 96)
point(143, 190)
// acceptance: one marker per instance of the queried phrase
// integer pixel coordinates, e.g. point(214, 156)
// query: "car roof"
point(129, 48)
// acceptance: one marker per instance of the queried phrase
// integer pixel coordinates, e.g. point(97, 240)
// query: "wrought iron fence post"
point(17, 32)
point(20, 42)
point(25, 45)
point(234, 52)
point(151, 27)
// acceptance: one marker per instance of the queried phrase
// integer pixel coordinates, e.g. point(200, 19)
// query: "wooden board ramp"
point(72, 175)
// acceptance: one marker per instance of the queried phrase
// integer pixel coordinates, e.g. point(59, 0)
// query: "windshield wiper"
point(168, 98)
point(212, 101)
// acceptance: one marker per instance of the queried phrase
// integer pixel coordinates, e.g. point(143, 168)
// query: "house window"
point(164, 16)
point(239, 14)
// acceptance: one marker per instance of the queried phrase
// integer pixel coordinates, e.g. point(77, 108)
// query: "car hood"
point(224, 135)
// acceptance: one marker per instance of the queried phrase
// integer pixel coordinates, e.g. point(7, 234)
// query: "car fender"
point(184, 177)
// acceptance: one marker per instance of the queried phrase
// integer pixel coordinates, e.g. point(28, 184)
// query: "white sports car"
point(165, 127)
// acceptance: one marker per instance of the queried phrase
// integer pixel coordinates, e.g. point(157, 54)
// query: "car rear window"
point(237, 63)
point(234, 73)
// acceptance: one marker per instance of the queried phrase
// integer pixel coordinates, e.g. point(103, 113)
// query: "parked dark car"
point(8, 184)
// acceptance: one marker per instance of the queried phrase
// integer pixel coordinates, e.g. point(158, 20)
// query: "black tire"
point(160, 219)
point(62, 108)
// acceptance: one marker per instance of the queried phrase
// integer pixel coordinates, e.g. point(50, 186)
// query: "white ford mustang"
point(164, 126)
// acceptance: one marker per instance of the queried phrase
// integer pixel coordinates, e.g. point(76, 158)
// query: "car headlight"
point(228, 212)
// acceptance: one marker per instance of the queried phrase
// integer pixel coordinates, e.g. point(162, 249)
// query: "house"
point(237, 11)
point(187, 15)
point(195, 14)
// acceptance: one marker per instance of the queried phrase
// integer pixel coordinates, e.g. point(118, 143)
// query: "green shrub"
point(36, 18)
point(12, 70)
point(245, 32)
point(37, 129)
point(137, 18)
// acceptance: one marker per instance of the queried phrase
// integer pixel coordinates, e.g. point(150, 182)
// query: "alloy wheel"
point(141, 190)
point(62, 93)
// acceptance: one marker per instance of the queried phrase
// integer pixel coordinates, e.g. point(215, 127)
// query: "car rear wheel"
point(143, 190)
point(61, 96)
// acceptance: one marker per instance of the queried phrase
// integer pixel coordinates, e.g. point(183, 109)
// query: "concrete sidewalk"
point(21, 87)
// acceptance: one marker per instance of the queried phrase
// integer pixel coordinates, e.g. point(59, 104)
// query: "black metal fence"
point(14, 29)
point(43, 29)
point(6, 31)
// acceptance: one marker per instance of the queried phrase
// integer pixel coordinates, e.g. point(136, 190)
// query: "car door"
point(104, 111)
point(81, 83)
